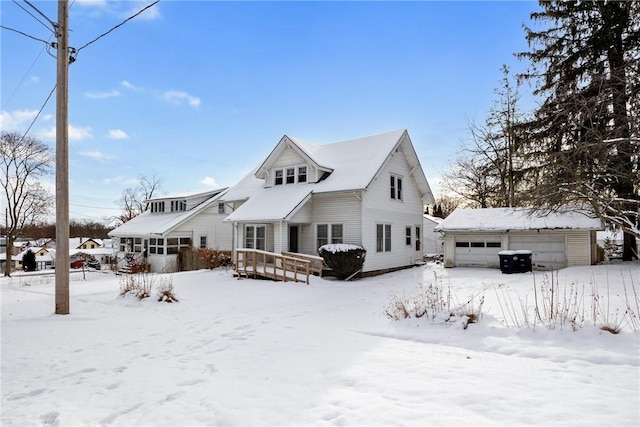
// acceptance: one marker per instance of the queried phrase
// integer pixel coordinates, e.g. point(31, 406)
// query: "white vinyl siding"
point(330, 208)
point(377, 209)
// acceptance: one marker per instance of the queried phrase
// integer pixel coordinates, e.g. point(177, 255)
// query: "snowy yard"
point(248, 352)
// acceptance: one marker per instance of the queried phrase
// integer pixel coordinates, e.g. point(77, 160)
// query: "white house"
point(173, 222)
point(368, 191)
point(473, 237)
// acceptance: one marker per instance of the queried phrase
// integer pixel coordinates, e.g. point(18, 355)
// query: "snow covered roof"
point(158, 223)
point(272, 204)
point(353, 164)
point(506, 219)
point(188, 194)
point(433, 219)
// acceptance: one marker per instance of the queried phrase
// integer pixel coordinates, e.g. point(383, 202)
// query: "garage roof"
point(507, 219)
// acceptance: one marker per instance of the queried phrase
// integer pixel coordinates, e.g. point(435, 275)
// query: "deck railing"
point(256, 263)
point(317, 263)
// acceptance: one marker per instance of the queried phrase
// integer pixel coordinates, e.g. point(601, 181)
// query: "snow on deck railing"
point(253, 262)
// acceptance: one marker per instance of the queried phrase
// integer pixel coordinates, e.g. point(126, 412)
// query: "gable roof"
point(353, 164)
point(160, 223)
point(510, 219)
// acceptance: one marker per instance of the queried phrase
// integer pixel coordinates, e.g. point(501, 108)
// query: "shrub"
point(344, 260)
point(141, 286)
point(429, 302)
point(197, 258)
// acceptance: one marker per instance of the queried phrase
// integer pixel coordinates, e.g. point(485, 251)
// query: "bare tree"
point(490, 168)
point(23, 159)
point(134, 200)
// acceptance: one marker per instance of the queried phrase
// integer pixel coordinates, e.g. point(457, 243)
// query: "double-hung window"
point(383, 237)
point(255, 237)
point(329, 233)
point(278, 177)
point(395, 187)
point(291, 175)
point(407, 238)
point(302, 174)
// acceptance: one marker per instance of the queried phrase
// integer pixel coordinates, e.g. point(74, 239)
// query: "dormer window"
point(291, 176)
point(178, 205)
point(157, 206)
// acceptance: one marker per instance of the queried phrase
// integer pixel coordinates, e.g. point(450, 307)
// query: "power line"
point(53, 24)
point(38, 115)
point(94, 207)
point(119, 25)
point(23, 78)
point(33, 16)
point(24, 34)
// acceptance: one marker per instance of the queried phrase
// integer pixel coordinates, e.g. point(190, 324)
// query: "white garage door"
point(549, 251)
point(477, 251)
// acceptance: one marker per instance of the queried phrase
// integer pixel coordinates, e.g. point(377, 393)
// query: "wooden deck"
point(284, 267)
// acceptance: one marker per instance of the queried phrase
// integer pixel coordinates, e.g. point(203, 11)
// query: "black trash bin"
point(508, 261)
point(524, 261)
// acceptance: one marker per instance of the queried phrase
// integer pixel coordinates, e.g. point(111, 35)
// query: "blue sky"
point(199, 92)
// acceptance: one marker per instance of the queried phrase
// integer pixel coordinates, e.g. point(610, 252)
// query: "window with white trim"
point(383, 237)
point(329, 233)
point(291, 175)
point(407, 232)
point(203, 242)
point(174, 244)
point(221, 208)
point(178, 205)
point(278, 177)
point(255, 237)
point(156, 246)
point(157, 206)
point(302, 174)
point(395, 186)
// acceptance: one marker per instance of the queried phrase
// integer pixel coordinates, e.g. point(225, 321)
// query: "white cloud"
point(208, 181)
point(13, 120)
point(75, 133)
point(177, 97)
point(117, 134)
point(128, 85)
point(102, 95)
point(95, 155)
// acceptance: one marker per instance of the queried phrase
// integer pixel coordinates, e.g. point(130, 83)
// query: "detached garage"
point(473, 237)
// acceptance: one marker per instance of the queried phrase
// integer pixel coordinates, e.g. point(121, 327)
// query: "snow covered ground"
point(249, 352)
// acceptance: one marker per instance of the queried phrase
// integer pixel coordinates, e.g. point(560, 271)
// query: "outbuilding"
point(559, 239)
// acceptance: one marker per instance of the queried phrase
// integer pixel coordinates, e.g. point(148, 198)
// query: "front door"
point(293, 238)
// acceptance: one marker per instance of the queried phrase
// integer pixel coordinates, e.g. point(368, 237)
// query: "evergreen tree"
point(586, 143)
point(29, 261)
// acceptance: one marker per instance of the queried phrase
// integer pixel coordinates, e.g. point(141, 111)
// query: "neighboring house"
point(173, 222)
point(85, 243)
point(473, 237)
point(45, 258)
point(433, 241)
point(368, 191)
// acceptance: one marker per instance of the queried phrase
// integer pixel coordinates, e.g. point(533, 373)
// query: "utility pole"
point(62, 160)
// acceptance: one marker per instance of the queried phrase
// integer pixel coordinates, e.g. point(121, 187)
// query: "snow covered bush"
point(344, 260)
point(429, 302)
point(141, 285)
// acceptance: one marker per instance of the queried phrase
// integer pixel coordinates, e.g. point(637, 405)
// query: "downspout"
point(281, 226)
